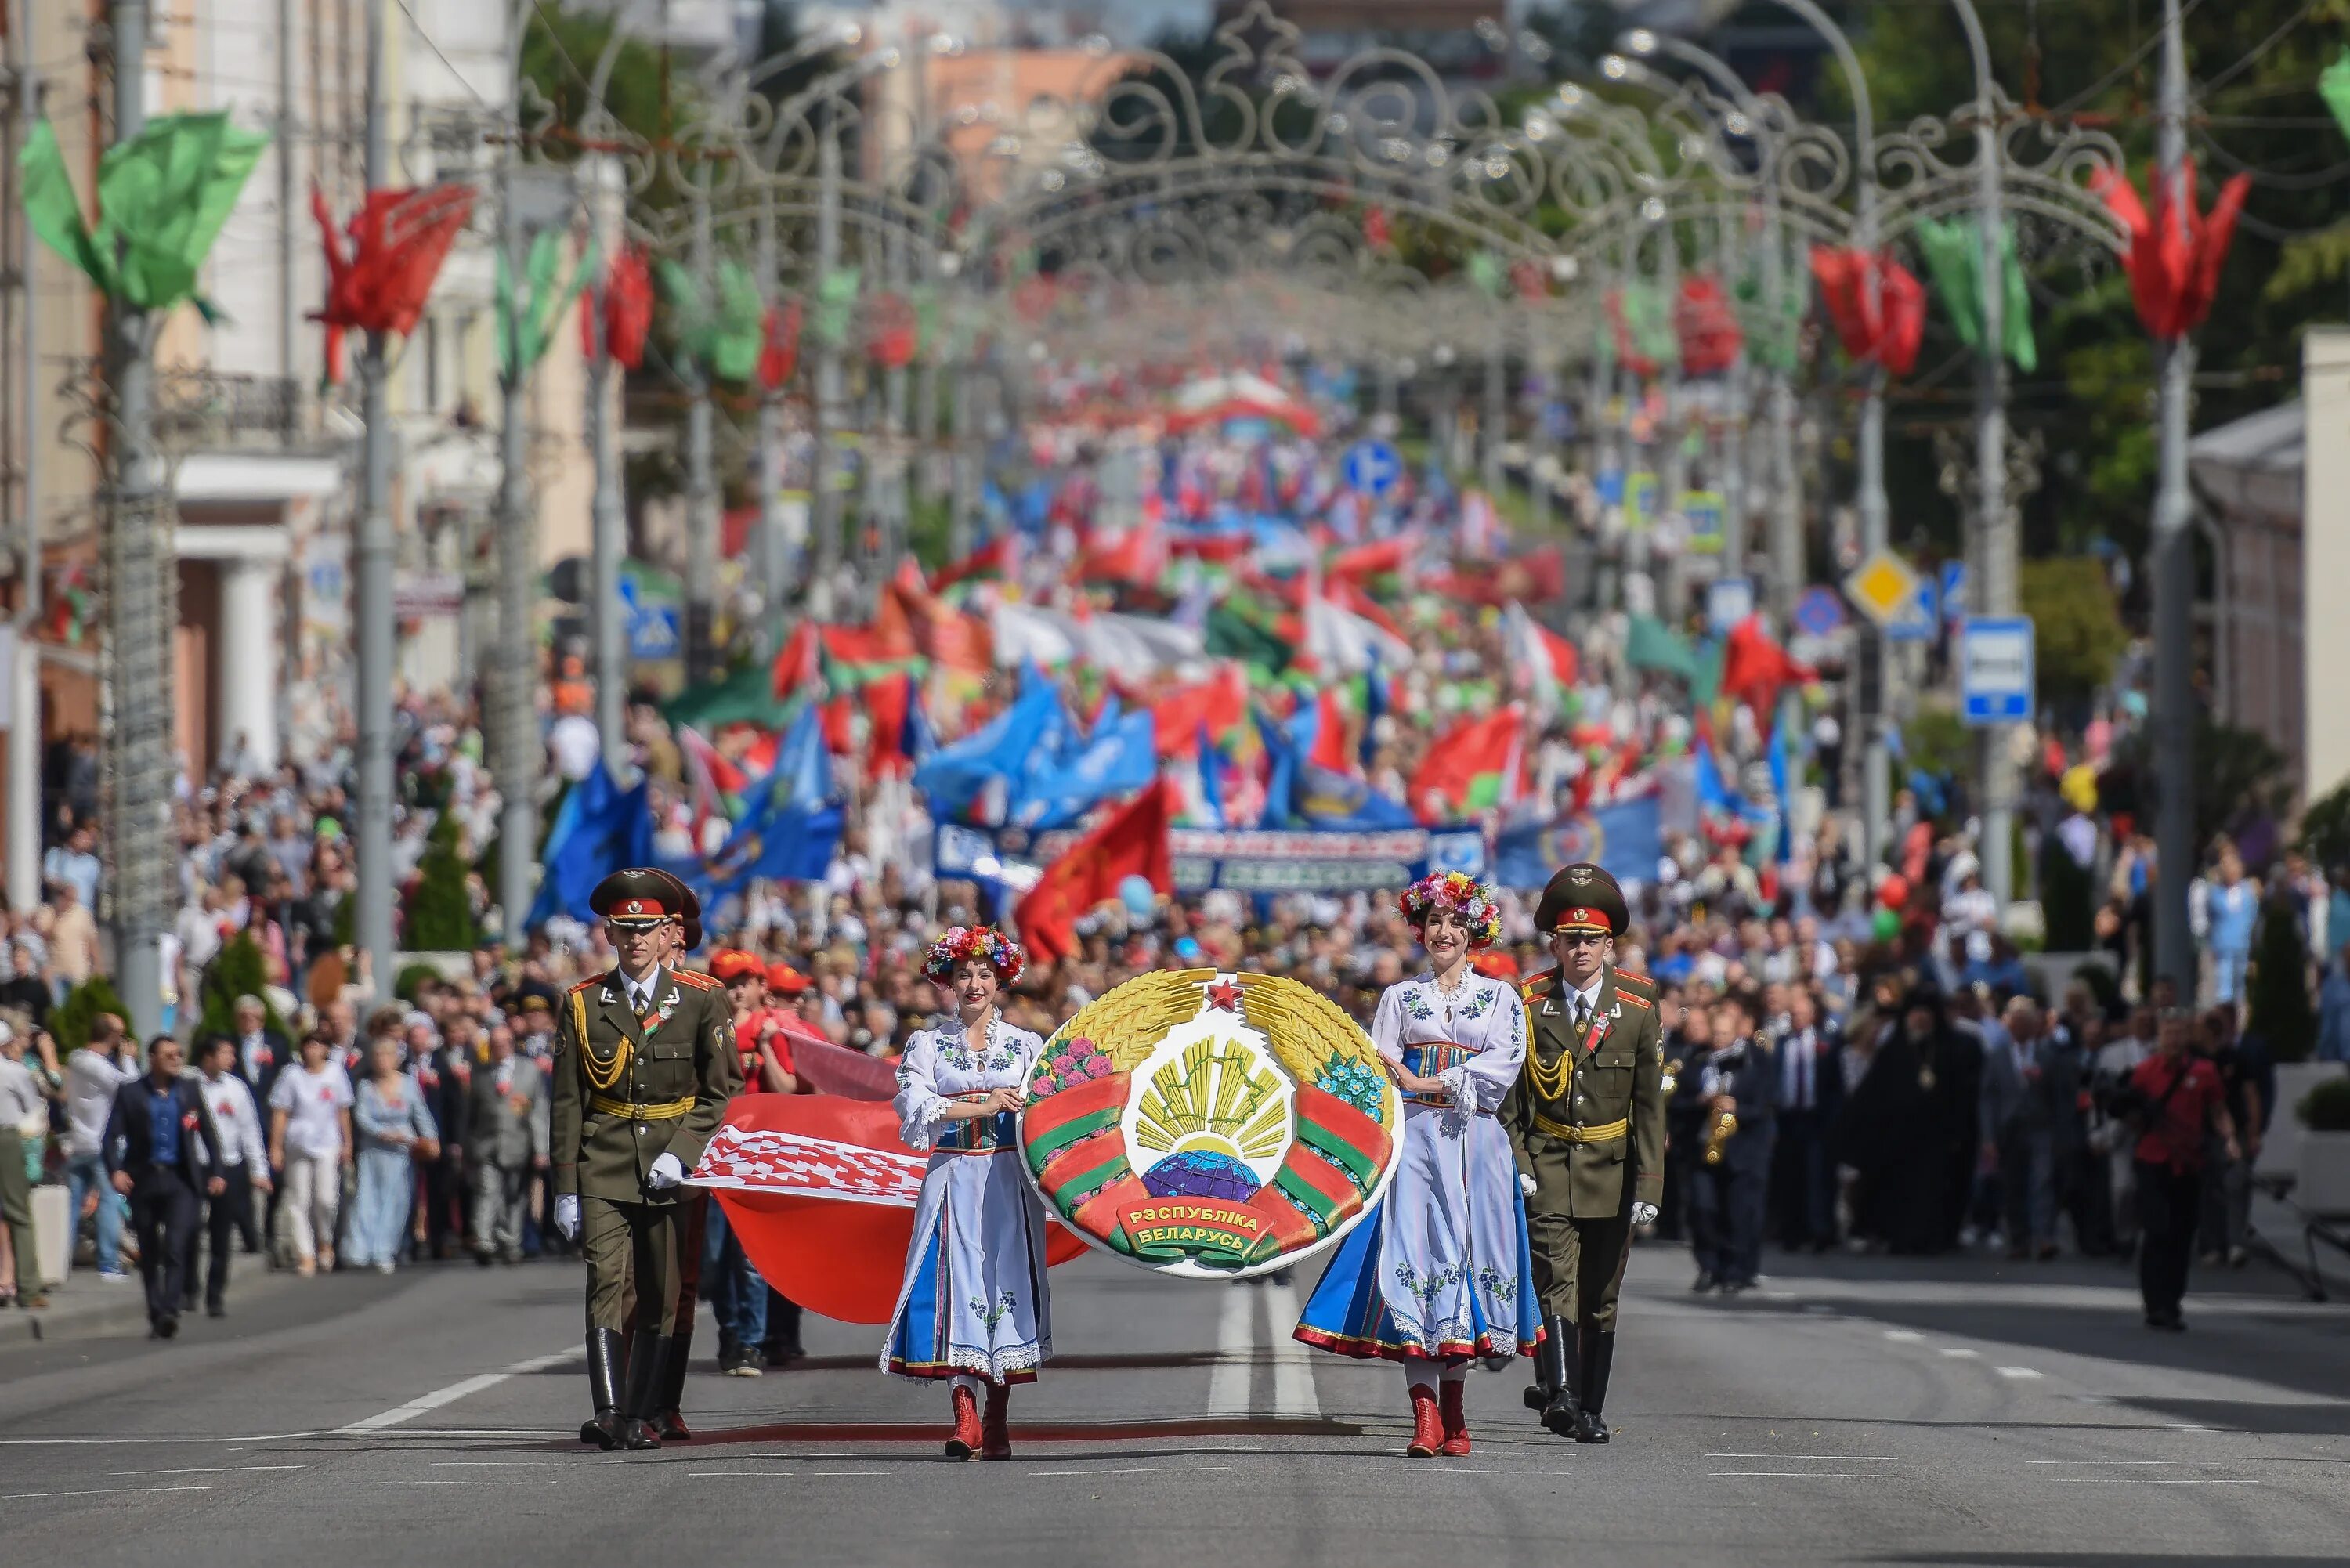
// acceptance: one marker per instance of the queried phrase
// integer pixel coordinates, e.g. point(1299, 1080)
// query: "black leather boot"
point(1546, 1386)
point(1564, 1414)
point(646, 1360)
point(669, 1421)
point(1599, 1355)
point(606, 1355)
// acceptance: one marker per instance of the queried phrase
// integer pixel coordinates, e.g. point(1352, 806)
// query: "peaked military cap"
point(1583, 898)
point(640, 896)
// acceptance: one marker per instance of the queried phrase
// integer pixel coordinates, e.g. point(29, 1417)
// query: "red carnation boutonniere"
point(187, 1121)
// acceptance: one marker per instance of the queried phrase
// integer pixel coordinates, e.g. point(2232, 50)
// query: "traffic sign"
point(1995, 673)
point(1704, 510)
point(1953, 584)
point(1728, 602)
point(1884, 589)
point(1818, 613)
point(1373, 467)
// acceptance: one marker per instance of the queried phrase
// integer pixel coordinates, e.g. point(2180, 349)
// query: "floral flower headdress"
point(960, 942)
point(1459, 892)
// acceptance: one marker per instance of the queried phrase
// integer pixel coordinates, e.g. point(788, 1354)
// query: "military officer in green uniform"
point(1587, 1120)
point(643, 1068)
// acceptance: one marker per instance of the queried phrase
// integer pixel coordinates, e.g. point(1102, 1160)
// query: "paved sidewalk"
point(84, 1307)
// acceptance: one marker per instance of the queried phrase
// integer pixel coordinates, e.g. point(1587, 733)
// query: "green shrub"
point(2282, 1014)
point(70, 1023)
point(237, 970)
point(411, 977)
point(2326, 1107)
point(439, 915)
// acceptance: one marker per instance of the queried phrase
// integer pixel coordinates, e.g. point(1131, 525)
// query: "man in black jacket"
point(162, 1150)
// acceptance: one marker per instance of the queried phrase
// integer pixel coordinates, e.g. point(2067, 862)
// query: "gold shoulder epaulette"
point(593, 979)
point(1624, 976)
point(696, 978)
point(1541, 985)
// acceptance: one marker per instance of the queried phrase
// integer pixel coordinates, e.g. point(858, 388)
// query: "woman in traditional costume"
point(1438, 1277)
point(974, 1308)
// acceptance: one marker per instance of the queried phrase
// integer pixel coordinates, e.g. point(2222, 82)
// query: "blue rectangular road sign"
point(1995, 669)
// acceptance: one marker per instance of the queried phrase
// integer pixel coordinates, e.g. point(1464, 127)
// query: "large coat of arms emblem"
point(1209, 1124)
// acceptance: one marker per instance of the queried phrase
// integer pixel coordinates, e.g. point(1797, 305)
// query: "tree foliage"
point(2325, 829)
point(440, 913)
point(2076, 624)
point(237, 970)
point(70, 1023)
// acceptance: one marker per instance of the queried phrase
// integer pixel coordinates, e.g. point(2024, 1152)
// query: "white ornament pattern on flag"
point(791, 1162)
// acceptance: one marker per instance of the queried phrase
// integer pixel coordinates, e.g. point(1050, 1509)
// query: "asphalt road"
point(1854, 1410)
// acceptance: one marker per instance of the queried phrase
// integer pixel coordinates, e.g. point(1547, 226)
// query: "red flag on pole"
point(1887, 332)
point(1754, 668)
point(1132, 843)
point(398, 241)
point(2173, 266)
point(628, 310)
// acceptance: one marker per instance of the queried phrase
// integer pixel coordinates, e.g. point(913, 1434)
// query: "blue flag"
point(1785, 848)
point(1375, 703)
point(599, 829)
point(1121, 758)
point(1281, 784)
point(1625, 840)
point(1005, 749)
point(791, 824)
point(1212, 781)
point(1712, 793)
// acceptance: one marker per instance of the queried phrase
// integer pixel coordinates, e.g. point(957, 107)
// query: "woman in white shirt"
point(310, 1141)
point(974, 1309)
point(245, 1167)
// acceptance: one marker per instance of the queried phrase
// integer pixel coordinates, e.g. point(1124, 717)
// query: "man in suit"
point(262, 1053)
point(444, 1071)
point(644, 1065)
point(162, 1151)
point(1586, 1120)
point(2018, 1102)
point(1811, 1087)
point(507, 1122)
point(1736, 1086)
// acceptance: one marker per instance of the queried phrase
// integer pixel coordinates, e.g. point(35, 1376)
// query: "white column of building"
point(248, 653)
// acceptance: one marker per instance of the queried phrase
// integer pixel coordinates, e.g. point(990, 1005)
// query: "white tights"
point(1419, 1374)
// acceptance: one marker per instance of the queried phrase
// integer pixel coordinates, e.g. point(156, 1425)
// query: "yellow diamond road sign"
point(1883, 587)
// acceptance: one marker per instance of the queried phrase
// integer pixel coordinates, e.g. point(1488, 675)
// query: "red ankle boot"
point(995, 1428)
point(966, 1439)
point(1427, 1426)
point(1456, 1424)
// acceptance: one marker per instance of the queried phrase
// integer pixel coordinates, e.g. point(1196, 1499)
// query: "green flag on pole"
point(1954, 257)
point(1653, 645)
point(2333, 87)
point(836, 305)
point(162, 197)
point(541, 305)
point(725, 336)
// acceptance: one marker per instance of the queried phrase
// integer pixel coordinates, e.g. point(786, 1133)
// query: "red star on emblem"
point(1225, 996)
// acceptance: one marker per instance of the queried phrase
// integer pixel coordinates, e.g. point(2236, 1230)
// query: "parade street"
point(1852, 1410)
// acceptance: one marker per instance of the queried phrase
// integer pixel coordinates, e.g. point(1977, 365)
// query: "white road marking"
point(96, 1491)
point(1903, 1335)
point(2018, 1372)
point(207, 1471)
point(2069, 1464)
point(1293, 1364)
point(1228, 1385)
point(464, 1387)
point(433, 1481)
point(1960, 1353)
point(1840, 1459)
point(778, 1475)
point(1137, 1471)
point(2151, 1481)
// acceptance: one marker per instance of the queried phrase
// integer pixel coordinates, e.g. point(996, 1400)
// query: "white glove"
point(1525, 1184)
point(567, 1216)
point(666, 1172)
point(1644, 1213)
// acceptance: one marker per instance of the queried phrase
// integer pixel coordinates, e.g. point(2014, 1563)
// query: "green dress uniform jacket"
point(1608, 1120)
point(628, 1091)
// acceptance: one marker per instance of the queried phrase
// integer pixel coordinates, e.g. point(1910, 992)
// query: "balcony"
point(205, 408)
